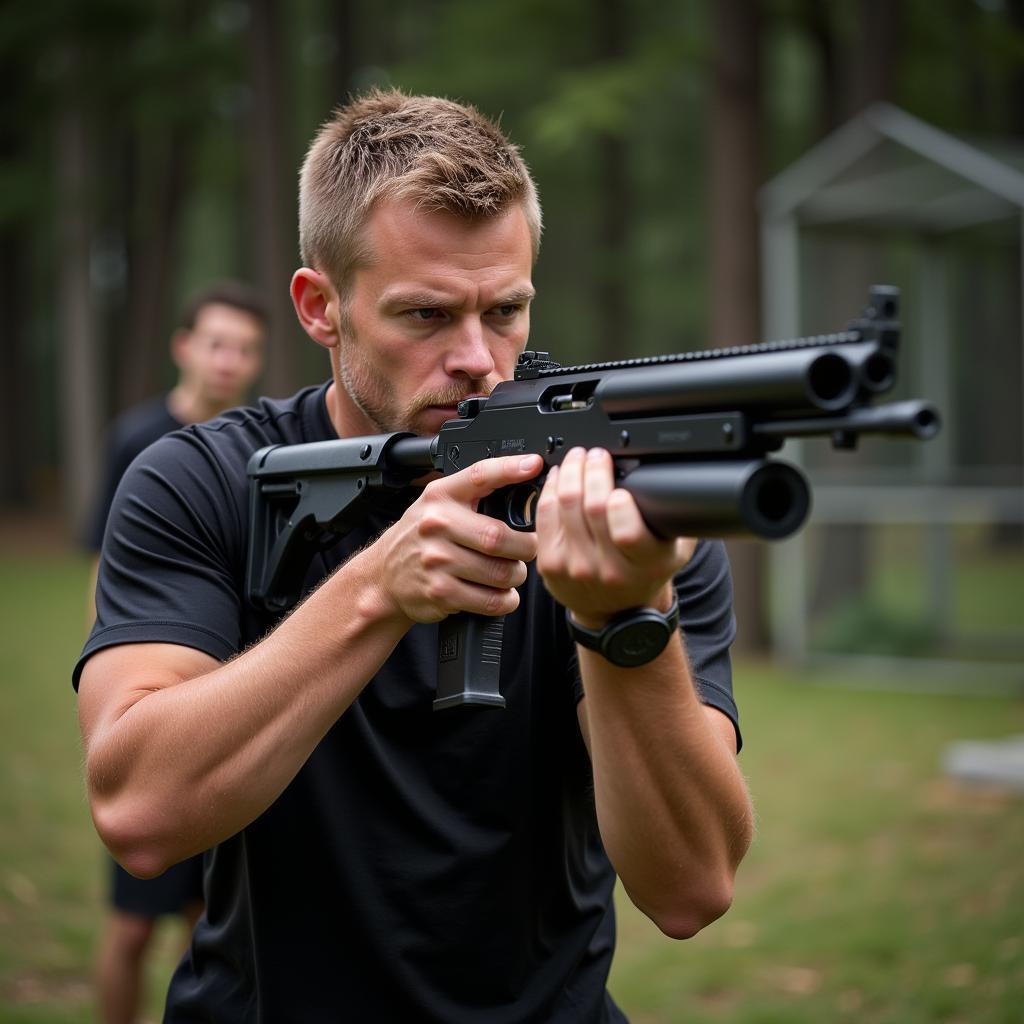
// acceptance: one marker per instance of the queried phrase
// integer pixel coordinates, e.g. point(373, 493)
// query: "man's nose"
point(230, 358)
point(469, 354)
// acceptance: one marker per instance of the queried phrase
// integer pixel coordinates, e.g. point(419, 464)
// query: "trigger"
point(520, 506)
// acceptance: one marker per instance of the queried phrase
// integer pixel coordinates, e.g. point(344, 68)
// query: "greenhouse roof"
point(888, 169)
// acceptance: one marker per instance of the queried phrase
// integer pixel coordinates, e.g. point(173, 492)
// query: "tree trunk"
point(152, 255)
point(612, 280)
point(1015, 12)
point(343, 66)
point(818, 26)
point(735, 175)
point(873, 68)
point(156, 190)
point(16, 424)
point(78, 356)
point(273, 199)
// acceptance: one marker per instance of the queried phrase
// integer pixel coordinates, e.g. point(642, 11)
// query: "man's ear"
point(313, 296)
point(179, 343)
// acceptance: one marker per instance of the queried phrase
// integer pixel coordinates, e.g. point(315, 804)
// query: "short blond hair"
point(436, 153)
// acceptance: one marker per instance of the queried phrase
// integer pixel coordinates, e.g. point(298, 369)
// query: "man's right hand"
point(443, 556)
point(182, 752)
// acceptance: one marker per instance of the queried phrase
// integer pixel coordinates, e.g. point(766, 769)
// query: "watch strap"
point(604, 640)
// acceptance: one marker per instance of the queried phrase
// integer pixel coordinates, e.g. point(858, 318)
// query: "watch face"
point(637, 643)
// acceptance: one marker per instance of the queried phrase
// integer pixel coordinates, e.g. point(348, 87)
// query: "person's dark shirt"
point(132, 432)
point(421, 866)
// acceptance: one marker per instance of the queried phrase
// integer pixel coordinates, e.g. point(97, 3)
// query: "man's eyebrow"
point(416, 299)
point(426, 299)
point(519, 295)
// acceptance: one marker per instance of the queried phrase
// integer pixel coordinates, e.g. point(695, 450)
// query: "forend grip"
point(765, 498)
point(761, 497)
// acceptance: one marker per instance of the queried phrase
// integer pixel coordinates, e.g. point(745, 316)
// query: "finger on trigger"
point(487, 475)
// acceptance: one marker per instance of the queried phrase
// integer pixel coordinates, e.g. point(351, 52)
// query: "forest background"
point(147, 146)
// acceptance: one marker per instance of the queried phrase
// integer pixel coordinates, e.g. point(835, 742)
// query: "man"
point(218, 352)
point(374, 860)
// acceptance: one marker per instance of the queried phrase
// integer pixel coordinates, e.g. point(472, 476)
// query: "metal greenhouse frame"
point(887, 172)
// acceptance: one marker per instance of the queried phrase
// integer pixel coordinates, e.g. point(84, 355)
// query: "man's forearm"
point(182, 753)
point(191, 757)
point(672, 805)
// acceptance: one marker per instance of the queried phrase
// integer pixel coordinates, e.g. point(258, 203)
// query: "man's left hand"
point(596, 554)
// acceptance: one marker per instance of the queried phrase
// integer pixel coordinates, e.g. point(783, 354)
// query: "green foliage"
point(618, 97)
point(52, 866)
point(868, 627)
point(981, 52)
point(568, 79)
point(49, 864)
point(877, 891)
point(899, 613)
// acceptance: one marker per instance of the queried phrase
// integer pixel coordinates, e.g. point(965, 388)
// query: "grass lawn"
point(877, 891)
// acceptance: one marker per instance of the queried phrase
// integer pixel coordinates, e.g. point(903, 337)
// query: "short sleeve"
point(170, 564)
point(709, 626)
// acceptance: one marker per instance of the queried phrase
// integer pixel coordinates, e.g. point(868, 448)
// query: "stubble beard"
point(376, 399)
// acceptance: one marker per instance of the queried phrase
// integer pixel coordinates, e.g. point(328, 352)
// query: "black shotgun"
point(690, 435)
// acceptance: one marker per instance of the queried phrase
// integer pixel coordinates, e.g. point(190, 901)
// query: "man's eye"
point(507, 311)
point(424, 314)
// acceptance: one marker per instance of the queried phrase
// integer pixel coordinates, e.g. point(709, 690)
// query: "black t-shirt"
point(132, 432)
point(422, 866)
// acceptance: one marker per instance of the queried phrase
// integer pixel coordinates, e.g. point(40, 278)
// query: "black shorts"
point(169, 893)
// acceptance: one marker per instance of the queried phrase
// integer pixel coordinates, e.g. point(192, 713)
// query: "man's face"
point(222, 355)
point(440, 314)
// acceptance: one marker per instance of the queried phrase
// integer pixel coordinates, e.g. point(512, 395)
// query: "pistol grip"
point(469, 661)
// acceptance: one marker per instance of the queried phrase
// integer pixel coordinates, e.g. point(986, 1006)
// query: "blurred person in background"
point(218, 352)
point(371, 859)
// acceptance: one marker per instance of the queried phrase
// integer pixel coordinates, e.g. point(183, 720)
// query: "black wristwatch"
point(631, 638)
